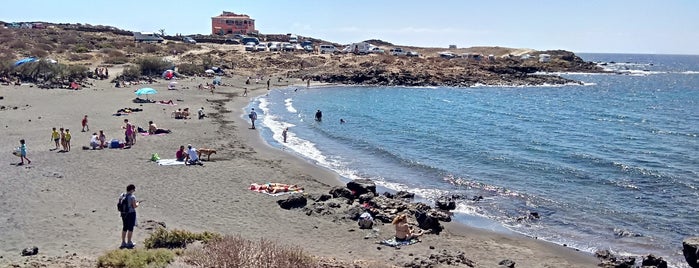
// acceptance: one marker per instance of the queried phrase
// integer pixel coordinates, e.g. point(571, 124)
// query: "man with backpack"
point(127, 206)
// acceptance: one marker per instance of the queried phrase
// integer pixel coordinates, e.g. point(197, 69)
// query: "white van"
point(293, 39)
point(147, 37)
point(327, 49)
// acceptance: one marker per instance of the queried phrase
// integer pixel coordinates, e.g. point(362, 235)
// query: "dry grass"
point(234, 251)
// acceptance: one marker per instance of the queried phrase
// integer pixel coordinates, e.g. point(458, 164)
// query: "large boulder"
point(293, 201)
point(427, 221)
point(338, 191)
point(690, 248)
point(404, 194)
point(365, 198)
point(652, 260)
point(445, 204)
point(362, 186)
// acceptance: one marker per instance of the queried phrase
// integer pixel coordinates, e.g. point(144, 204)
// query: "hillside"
point(86, 47)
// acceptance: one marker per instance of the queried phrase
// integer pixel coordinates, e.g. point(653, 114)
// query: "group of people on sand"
point(189, 156)
point(61, 139)
point(181, 113)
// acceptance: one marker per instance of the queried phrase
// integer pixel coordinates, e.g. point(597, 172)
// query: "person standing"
point(56, 137)
point(319, 116)
point(63, 140)
point(84, 124)
point(284, 134)
point(103, 139)
point(128, 216)
point(128, 132)
point(253, 117)
point(68, 137)
point(23, 152)
point(268, 80)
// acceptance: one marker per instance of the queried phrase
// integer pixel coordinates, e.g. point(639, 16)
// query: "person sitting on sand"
point(95, 141)
point(180, 155)
point(178, 114)
point(403, 230)
point(192, 157)
point(185, 113)
point(153, 129)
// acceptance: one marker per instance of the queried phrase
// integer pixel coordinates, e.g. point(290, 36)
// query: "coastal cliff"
point(81, 46)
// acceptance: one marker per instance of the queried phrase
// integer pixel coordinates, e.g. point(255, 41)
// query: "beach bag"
point(17, 152)
point(154, 157)
point(123, 203)
point(365, 221)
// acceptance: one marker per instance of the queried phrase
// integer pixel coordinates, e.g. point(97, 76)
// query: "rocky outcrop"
point(690, 249)
point(30, 251)
point(441, 258)
point(293, 201)
point(362, 186)
point(445, 203)
point(653, 261)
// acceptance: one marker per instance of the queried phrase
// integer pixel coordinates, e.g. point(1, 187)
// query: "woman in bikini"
point(403, 230)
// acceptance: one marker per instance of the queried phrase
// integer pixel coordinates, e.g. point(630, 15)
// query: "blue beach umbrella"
point(25, 60)
point(145, 91)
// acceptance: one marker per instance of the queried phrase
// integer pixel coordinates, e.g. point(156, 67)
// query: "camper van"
point(147, 37)
point(327, 49)
point(358, 48)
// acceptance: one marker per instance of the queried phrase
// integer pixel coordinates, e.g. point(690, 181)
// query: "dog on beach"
point(205, 151)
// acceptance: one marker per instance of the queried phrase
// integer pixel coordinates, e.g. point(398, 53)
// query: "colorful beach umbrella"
point(145, 91)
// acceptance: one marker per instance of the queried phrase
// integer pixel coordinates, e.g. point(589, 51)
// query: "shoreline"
point(63, 202)
point(454, 228)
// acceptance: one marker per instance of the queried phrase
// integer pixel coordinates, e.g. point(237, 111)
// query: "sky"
point(593, 26)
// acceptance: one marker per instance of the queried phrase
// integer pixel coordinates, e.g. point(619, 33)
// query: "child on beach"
point(63, 140)
point(84, 124)
point(103, 139)
point(56, 137)
point(23, 153)
point(68, 136)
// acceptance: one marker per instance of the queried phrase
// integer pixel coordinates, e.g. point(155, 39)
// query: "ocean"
point(611, 164)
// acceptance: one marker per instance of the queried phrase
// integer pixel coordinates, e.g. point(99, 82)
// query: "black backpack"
point(123, 203)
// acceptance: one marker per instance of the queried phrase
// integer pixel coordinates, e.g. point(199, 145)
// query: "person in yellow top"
point(56, 137)
point(68, 140)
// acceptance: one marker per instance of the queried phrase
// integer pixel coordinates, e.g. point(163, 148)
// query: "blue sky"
point(614, 26)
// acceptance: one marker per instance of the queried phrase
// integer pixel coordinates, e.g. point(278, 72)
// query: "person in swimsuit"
point(403, 230)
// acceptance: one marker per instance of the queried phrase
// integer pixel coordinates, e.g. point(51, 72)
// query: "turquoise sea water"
point(611, 165)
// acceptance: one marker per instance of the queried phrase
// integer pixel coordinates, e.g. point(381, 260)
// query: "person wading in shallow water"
point(319, 116)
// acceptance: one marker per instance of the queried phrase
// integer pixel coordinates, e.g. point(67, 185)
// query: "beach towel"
point(169, 162)
point(261, 188)
point(393, 242)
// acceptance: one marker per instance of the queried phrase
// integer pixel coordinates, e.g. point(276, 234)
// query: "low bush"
point(80, 49)
point(162, 238)
point(151, 66)
point(136, 258)
point(78, 56)
point(190, 69)
point(116, 60)
point(131, 73)
point(234, 251)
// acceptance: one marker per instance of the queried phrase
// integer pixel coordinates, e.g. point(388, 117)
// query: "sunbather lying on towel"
point(139, 100)
point(274, 188)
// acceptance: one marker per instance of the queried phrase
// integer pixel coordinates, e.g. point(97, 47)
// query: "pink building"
point(231, 23)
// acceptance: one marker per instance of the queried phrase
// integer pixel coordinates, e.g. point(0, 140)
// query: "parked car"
point(327, 49)
point(246, 40)
point(232, 41)
point(261, 47)
point(189, 40)
point(238, 36)
point(250, 46)
point(412, 54)
point(274, 46)
point(447, 55)
point(396, 51)
point(288, 47)
point(308, 48)
point(376, 50)
point(306, 43)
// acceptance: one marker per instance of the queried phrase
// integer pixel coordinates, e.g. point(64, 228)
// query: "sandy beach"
point(63, 203)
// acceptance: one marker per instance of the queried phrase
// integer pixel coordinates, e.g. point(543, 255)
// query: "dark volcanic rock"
point(293, 201)
point(651, 260)
point(445, 204)
point(404, 194)
point(690, 248)
point(30, 251)
point(507, 263)
point(362, 186)
point(338, 191)
point(428, 221)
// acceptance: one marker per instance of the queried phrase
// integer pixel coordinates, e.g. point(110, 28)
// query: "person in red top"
point(181, 155)
point(84, 123)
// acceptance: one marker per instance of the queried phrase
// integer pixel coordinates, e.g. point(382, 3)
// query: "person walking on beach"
point(284, 134)
point(128, 132)
point(245, 93)
point(319, 116)
point(84, 124)
point(253, 117)
point(23, 153)
point(56, 137)
point(129, 204)
point(63, 140)
point(68, 137)
point(268, 80)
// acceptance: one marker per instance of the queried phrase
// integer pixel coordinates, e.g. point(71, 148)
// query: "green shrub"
point(153, 66)
point(162, 238)
point(116, 60)
point(80, 49)
point(136, 258)
point(190, 69)
point(131, 73)
point(78, 56)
